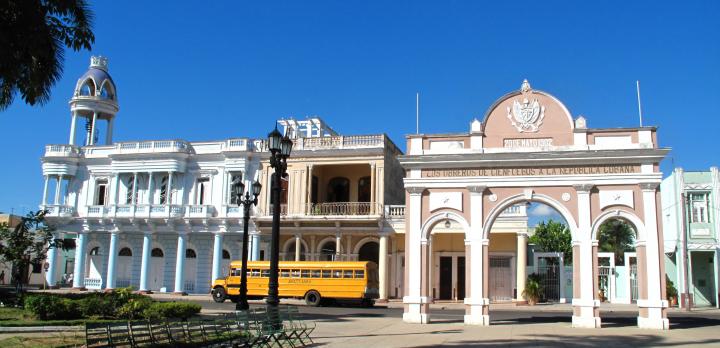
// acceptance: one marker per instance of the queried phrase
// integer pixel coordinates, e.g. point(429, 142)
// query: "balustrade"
point(61, 151)
point(57, 210)
point(343, 208)
point(394, 211)
point(153, 146)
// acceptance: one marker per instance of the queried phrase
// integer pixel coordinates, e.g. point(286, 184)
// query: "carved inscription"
point(567, 170)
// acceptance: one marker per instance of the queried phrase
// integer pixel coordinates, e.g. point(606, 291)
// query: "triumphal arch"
point(529, 148)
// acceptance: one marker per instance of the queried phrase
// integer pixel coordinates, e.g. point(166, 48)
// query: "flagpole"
point(637, 83)
point(417, 113)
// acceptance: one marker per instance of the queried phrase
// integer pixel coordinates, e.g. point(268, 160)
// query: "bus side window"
point(360, 274)
point(295, 273)
point(315, 273)
point(255, 273)
point(347, 274)
point(235, 272)
point(305, 273)
point(326, 273)
point(337, 274)
point(265, 273)
point(284, 273)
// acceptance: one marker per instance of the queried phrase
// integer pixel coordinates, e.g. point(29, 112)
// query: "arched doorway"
point(370, 251)
point(290, 251)
point(124, 268)
point(157, 269)
point(226, 259)
point(190, 270)
point(328, 251)
point(93, 269)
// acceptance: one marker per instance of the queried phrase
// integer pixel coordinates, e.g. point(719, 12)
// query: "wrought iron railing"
point(343, 208)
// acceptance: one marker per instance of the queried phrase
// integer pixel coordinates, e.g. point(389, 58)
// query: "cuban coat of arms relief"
point(526, 115)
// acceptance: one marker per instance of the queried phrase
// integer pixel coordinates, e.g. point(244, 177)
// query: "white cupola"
point(94, 99)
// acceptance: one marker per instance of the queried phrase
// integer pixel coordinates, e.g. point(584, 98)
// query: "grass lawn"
point(13, 317)
point(62, 339)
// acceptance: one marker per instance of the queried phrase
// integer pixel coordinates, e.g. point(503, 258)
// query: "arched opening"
point(447, 259)
point(157, 269)
point(93, 269)
point(106, 91)
point(617, 279)
point(226, 259)
point(369, 252)
point(88, 88)
point(290, 251)
point(338, 190)
point(190, 270)
point(328, 251)
point(124, 268)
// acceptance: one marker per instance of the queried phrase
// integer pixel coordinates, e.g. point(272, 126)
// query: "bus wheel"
point(219, 295)
point(312, 298)
point(367, 303)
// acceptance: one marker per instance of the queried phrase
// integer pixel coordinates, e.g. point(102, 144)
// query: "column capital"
point(477, 189)
point(415, 191)
point(649, 186)
point(583, 188)
point(522, 234)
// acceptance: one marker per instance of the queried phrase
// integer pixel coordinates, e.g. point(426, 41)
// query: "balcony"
point(57, 210)
point(340, 142)
point(159, 146)
point(97, 211)
point(62, 151)
point(343, 209)
point(199, 211)
point(166, 211)
point(394, 211)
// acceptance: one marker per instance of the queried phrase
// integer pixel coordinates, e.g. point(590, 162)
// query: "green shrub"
point(102, 305)
point(533, 289)
point(670, 291)
point(175, 310)
point(134, 308)
point(50, 307)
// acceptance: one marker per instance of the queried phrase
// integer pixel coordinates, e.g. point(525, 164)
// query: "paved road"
point(624, 316)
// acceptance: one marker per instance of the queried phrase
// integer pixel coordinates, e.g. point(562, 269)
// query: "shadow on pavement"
point(579, 341)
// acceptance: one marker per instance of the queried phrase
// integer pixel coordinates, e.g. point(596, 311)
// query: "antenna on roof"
point(637, 82)
point(417, 113)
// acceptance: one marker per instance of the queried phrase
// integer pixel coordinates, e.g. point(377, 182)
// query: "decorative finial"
point(525, 86)
point(581, 122)
point(99, 62)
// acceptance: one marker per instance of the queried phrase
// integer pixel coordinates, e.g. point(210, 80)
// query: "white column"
point(45, 189)
point(73, 123)
point(414, 302)
point(383, 267)
point(217, 256)
point(145, 264)
point(51, 260)
point(108, 135)
point(150, 189)
point(522, 263)
point(654, 303)
point(338, 244)
point(58, 188)
point(180, 264)
point(373, 197)
point(79, 272)
point(168, 194)
point(92, 129)
point(114, 189)
point(134, 189)
point(112, 260)
point(255, 244)
point(476, 301)
point(586, 306)
point(297, 247)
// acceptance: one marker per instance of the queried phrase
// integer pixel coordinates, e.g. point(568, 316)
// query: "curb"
point(26, 329)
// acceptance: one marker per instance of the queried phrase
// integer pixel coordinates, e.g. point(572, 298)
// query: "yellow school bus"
point(314, 281)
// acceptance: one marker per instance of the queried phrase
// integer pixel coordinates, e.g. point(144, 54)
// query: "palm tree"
point(33, 37)
point(616, 236)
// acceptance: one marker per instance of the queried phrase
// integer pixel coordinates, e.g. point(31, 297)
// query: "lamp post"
point(246, 202)
point(280, 148)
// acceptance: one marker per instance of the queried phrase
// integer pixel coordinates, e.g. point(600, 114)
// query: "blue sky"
point(229, 69)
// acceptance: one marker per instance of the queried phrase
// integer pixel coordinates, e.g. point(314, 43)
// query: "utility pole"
point(685, 297)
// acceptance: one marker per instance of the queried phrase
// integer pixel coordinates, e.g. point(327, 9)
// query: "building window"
point(338, 190)
point(200, 189)
point(157, 252)
point(364, 189)
point(164, 189)
point(699, 207)
point(225, 254)
point(130, 185)
point(101, 192)
point(235, 181)
point(95, 251)
point(190, 254)
point(125, 252)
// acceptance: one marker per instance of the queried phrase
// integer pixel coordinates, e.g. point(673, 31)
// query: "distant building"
point(700, 208)
point(34, 273)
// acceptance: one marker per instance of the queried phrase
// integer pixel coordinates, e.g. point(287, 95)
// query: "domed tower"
point(95, 99)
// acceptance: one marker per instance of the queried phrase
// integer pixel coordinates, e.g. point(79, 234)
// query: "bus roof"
point(305, 264)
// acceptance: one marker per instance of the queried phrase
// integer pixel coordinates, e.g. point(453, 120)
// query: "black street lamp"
point(280, 148)
point(246, 202)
